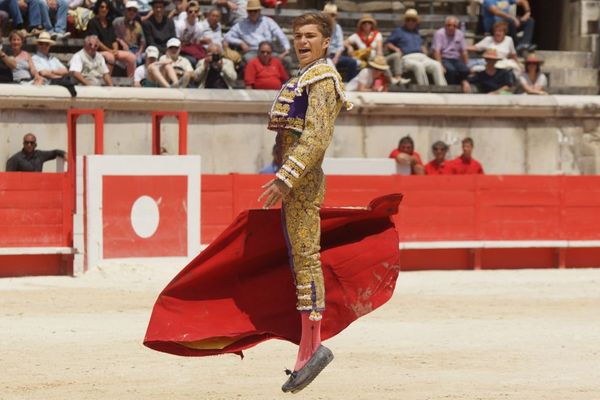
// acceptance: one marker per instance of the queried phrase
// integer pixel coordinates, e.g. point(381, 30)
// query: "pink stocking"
point(310, 340)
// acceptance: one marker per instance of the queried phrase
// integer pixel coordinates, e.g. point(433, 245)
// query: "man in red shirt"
point(265, 71)
point(466, 164)
point(439, 165)
point(405, 155)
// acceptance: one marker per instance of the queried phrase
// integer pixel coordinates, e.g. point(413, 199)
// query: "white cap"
point(152, 51)
point(132, 4)
point(174, 42)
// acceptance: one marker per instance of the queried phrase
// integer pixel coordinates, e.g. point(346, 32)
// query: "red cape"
point(239, 290)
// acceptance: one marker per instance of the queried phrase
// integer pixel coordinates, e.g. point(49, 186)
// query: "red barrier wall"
point(451, 208)
point(35, 212)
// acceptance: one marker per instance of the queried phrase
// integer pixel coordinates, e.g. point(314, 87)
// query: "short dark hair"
point(323, 21)
point(265, 42)
point(468, 140)
point(439, 143)
point(406, 139)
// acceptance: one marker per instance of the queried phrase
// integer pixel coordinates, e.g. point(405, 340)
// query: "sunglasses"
point(31, 142)
point(439, 149)
point(265, 52)
point(192, 11)
point(451, 25)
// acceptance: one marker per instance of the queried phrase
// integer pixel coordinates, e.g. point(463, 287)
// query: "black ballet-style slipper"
point(298, 380)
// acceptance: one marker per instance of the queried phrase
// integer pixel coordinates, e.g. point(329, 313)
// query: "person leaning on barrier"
point(29, 159)
point(405, 155)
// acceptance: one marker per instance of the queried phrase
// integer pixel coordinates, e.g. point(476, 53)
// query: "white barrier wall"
point(142, 209)
point(227, 128)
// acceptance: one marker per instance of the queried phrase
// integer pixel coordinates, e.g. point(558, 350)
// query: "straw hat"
point(366, 18)
point(253, 5)
point(44, 37)
point(330, 9)
point(491, 54)
point(411, 13)
point(132, 4)
point(378, 62)
point(532, 59)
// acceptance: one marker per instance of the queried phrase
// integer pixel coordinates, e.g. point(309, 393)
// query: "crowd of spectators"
point(235, 42)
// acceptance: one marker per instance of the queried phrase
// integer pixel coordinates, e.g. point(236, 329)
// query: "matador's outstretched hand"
point(275, 190)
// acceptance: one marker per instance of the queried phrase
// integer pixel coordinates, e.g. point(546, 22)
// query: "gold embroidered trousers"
point(302, 228)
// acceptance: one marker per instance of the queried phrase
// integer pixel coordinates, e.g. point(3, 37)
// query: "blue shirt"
point(253, 33)
point(408, 41)
point(337, 40)
point(490, 19)
point(269, 169)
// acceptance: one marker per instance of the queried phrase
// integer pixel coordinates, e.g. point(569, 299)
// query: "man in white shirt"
point(87, 66)
point(190, 32)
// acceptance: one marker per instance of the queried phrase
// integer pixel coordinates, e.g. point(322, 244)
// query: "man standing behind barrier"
point(465, 164)
point(29, 159)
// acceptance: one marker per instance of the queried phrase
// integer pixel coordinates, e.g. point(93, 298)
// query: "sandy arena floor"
point(445, 335)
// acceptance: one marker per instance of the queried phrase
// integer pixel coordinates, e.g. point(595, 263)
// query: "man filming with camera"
point(214, 71)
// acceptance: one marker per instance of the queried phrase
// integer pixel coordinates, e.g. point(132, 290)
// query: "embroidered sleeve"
point(323, 107)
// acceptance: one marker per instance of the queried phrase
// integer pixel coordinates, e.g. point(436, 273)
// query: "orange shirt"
point(445, 168)
point(462, 166)
point(416, 155)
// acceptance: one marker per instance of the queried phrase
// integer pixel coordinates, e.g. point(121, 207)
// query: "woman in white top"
point(366, 42)
point(504, 46)
point(533, 81)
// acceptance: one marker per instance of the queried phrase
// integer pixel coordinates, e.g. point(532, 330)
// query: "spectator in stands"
point(183, 67)
point(405, 155)
point(12, 10)
point(465, 164)
point(494, 11)
point(504, 46)
point(232, 11)
point(210, 29)
point(265, 71)
point(274, 165)
point(129, 32)
point(7, 64)
point(273, 3)
point(54, 17)
point(87, 66)
point(450, 49)
point(189, 32)
point(346, 66)
point(532, 80)
point(215, 71)
point(158, 29)
point(179, 11)
point(29, 159)
point(408, 52)
point(439, 165)
point(49, 67)
point(492, 80)
point(102, 27)
point(366, 42)
point(3, 18)
point(20, 62)
point(374, 78)
point(155, 73)
point(257, 28)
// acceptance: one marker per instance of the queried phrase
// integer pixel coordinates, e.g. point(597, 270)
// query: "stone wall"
point(512, 134)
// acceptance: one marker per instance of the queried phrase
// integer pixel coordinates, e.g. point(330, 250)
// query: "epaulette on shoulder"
point(322, 71)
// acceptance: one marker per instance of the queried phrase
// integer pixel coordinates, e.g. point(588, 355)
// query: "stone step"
point(565, 59)
point(573, 77)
